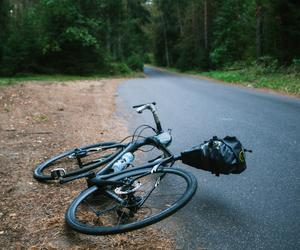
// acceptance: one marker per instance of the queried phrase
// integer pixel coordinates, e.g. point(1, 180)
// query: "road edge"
point(236, 84)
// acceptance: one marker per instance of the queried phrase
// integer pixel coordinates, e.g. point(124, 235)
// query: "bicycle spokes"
point(144, 197)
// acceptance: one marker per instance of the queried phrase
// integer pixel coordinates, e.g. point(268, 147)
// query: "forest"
point(118, 36)
point(212, 34)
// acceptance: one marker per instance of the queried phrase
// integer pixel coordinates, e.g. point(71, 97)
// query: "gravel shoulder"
point(37, 121)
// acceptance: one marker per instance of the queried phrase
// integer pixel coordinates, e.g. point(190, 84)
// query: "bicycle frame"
point(132, 147)
point(129, 147)
point(100, 181)
point(161, 140)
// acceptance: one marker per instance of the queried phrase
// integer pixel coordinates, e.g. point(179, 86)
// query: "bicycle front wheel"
point(149, 198)
point(78, 160)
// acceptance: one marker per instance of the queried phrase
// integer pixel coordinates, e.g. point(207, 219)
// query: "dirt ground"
point(39, 120)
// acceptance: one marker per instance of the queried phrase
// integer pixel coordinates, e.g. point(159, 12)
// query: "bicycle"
point(125, 199)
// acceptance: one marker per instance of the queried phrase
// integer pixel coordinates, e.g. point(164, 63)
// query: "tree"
point(4, 24)
point(74, 36)
point(259, 28)
point(282, 30)
point(234, 32)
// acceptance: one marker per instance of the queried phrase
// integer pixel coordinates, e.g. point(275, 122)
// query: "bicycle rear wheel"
point(149, 198)
point(78, 160)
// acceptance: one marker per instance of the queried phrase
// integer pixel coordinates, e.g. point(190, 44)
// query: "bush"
point(219, 56)
point(135, 62)
point(294, 68)
point(183, 62)
point(238, 65)
point(265, 65)
point(149, 58)
point(118, 68)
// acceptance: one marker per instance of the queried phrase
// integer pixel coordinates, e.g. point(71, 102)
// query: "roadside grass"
point(62, 78)
point(282, 81)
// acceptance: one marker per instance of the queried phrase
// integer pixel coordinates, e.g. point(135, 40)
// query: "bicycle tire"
point(77, 216)
point(42, 171)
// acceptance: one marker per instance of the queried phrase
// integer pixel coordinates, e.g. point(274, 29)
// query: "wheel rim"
point(88, 158)
point(95, 213)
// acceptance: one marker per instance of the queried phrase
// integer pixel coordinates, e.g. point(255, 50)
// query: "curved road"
point(258, 209)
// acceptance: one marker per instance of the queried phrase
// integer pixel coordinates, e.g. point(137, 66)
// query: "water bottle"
point(121, 164)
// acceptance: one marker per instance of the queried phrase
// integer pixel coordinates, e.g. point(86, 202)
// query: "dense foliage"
point(209, 34)
point(72, 36)
point(117, 36)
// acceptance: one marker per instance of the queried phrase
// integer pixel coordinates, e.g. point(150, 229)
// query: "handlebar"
point(151, 106)
point(139, 105)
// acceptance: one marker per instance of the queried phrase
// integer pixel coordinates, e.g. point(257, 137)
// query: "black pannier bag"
point(219, 156)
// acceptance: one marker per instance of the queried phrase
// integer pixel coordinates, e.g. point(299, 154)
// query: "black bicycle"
point(121, 198)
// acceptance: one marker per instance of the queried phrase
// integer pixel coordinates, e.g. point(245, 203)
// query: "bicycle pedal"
point(57, 173)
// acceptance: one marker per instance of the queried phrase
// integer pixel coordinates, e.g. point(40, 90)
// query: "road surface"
point(258, 209)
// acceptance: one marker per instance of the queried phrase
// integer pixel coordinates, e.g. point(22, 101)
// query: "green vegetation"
point(63, 78)
point(265, 74)
point(206, 35)
point(282, 81)
point(254, 42)
point(72, 37)
point(251, 41)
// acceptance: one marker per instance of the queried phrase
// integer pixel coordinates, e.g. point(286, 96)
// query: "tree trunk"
point(195, 26)
point(166, 41)
point(179, 19)
point(205, 25)
point(259, 30)
point(108, 35)
point(120, 47)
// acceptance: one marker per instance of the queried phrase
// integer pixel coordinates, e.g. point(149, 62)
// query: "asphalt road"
point(258, 209)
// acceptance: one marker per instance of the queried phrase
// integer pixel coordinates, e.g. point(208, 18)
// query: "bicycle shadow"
point(209, 219)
